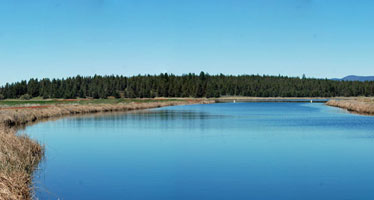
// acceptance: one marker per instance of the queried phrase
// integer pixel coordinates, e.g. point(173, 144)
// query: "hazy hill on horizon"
point(355, 78)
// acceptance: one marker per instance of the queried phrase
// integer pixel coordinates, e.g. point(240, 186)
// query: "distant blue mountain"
point(355, 78)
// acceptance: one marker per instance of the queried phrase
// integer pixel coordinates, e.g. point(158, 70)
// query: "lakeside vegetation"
point(39, 101)
point(361, 105)
point(189, 85)
point(19, 156)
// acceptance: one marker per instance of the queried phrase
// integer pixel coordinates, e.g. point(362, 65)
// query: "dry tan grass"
point(358, 105)
point(19, 155)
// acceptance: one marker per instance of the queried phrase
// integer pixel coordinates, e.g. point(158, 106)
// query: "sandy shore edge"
point(19, 155)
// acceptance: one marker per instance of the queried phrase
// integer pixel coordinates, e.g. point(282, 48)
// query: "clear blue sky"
point(60, 38)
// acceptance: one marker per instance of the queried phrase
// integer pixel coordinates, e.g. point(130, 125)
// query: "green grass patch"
point(17, 102)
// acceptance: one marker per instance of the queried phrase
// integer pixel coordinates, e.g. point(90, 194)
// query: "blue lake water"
point(218, 151)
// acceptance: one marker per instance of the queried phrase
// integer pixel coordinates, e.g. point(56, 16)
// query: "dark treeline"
point(189, 85)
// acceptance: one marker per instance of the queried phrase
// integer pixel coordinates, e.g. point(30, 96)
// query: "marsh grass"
point(357, 105)
point(19, 156)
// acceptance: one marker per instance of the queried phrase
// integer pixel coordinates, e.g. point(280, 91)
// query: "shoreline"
point(362, 106)
point(272, 99)
point(20, 155)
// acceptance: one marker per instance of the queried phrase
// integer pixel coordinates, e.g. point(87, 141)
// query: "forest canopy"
point(187, 85)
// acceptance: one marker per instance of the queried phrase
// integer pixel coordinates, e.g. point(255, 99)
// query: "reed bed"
point(360, 106)
point(19, 155)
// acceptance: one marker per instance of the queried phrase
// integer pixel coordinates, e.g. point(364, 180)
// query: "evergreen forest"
point(187, 85)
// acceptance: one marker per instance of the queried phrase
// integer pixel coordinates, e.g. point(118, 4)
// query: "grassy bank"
point(19, 155)
point(357, 105)
point(46, 102)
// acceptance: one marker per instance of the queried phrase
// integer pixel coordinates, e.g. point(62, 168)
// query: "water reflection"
point(220, 151)
point(144, 119)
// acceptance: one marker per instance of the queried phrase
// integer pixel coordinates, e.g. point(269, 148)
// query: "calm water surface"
point(218, 151)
